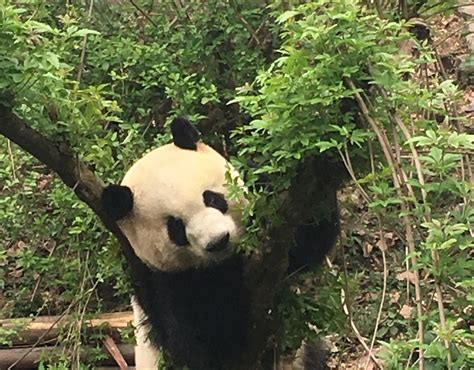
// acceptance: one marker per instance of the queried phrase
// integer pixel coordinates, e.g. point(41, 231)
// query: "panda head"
point(172, 204)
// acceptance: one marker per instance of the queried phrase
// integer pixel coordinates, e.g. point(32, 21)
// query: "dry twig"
point(399, 180)
point(142, 12)
point(346, 301)
point(434, 253)
point(84, 44)
point(384, 288)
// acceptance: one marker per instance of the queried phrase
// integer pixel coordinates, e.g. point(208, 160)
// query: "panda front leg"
point(146, 355)
point(314, 240)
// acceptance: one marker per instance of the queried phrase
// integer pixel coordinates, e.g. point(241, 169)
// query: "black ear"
point(185, 135)
point(117, 201)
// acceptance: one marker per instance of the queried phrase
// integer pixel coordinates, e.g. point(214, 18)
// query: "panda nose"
point(219, 244)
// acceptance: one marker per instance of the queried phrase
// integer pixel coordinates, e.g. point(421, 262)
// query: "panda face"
point(180, 216)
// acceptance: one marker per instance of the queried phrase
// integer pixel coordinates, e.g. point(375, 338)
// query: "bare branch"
point(253, 33)
point(84, 44)
point(399, 182)
point(143, 13)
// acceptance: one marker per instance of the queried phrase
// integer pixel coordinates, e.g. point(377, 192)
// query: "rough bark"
point(267, 267)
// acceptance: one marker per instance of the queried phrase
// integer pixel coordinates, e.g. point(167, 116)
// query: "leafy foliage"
point(336, 55)
point(109, 107)
point(321, 79)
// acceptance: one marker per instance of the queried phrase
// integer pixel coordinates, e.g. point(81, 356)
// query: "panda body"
point(189, 293)
point(197, 315)
point(172, 206)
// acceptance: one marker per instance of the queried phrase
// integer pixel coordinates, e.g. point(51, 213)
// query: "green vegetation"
point(272, 86)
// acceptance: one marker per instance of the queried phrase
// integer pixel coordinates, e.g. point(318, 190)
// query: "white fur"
point(170, 181)
point(209, 225)
point(146, 356)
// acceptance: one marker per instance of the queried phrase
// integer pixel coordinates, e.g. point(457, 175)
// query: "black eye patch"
point(215, 200)
point(177, 231)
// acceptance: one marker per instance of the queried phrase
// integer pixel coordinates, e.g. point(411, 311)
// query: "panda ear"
point(185, 135)
point(117, 201)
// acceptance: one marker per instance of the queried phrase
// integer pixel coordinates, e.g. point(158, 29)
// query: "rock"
point(466, 11)
point(450, 63)
point(470, 42)
point(470, 37)
point(466, 71)
point(469, 108)
point(420, 29)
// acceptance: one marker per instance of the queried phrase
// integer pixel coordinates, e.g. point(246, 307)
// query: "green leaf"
point(52, 59)
point(39, 27)
point(83, 32)
point(287, 15)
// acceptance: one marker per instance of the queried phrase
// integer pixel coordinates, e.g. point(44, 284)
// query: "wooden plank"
point(114, 351)
point(11, 355)
point(49, 324)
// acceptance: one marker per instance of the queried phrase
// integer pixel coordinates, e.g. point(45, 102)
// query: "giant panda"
point(189, 298)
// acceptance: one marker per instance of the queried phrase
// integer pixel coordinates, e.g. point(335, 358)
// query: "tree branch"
point(60, 158)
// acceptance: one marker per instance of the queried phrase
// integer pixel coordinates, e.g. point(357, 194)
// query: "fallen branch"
point(115, 352)
point(31, 360)
point(35, 328)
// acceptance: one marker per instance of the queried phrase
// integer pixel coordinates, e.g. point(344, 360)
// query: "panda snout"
point(218, 244)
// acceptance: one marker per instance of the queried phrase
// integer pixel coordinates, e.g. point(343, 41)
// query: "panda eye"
point(177, 231)
point(215, 200)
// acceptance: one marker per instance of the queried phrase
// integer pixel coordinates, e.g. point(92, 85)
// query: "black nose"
point(219, 244)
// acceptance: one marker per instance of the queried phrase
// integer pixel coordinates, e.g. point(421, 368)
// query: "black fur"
point(315, 237)
point(185, 135)
point(117, 201)
point(177, 231)
point(313, 242)
point(198, 316)
point(311, 357)
point(215, 200)
point(219, 244)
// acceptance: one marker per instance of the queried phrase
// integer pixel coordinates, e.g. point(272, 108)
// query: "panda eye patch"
point(215, 200)
point(177, 231)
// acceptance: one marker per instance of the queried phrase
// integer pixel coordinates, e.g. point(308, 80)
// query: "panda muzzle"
point(219, 244)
